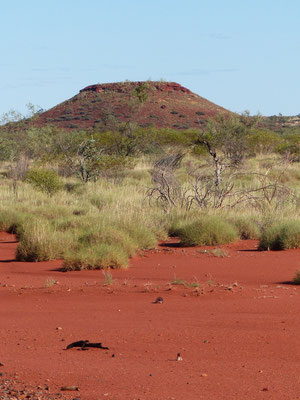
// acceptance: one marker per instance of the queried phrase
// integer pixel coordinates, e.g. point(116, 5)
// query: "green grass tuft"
point(11, 221)
point(281, 236)
point(246, 226)
point(97, 257)
point(210, 230)
point(38, 242)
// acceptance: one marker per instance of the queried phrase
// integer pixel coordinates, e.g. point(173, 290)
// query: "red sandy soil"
point(237, 331)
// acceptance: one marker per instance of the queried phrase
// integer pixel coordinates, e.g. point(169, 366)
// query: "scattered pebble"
point(69, 388)
point(11, 389)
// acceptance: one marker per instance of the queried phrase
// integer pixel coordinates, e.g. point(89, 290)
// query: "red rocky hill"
point(159, 104)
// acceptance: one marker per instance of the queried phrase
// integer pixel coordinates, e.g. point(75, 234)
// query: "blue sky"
point(240, 54)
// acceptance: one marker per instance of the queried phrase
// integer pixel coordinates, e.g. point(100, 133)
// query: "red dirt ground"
point(237, 328)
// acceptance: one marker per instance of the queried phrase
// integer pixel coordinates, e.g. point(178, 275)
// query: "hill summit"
point(148, 103)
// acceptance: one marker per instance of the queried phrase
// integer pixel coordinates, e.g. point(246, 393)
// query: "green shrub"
point(98, 257)
point(281, 236)
point(263, 141)
point(11, 221)
point(44, 180)
point(109, 236)
point(246, 226)
point(210, 230)
point(38, 242)
point(143, 236)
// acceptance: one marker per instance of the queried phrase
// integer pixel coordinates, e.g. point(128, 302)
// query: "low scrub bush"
point(177, 219)
point(210, 230)
point(246, 226)
point(143, 236)
point(110, 236)
point(38, 242)
point(11, 221)
point(44, 180)
point(281, 236)
point(98, 257)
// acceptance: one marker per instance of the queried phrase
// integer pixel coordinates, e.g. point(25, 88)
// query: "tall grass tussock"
point(208, 230)
point(281, 236)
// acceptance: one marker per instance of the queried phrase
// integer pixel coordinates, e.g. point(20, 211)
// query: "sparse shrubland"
point(95, 201)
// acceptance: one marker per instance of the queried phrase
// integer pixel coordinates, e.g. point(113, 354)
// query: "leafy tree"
point(15, 116)
point(226, 140)
point(88, 156)
point(10, 116)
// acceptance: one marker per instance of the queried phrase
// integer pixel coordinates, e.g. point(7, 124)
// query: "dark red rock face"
point(123, 87)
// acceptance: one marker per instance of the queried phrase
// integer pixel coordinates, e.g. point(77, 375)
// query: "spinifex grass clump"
point(105, 246)
point(281, 236)
point(246, 226)
point(11, 221)
point(39, 242)
point(97, 257)
point(296, 279)
point(209, 230)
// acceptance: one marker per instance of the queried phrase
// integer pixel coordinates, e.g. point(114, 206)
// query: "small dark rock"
point(159, 300)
